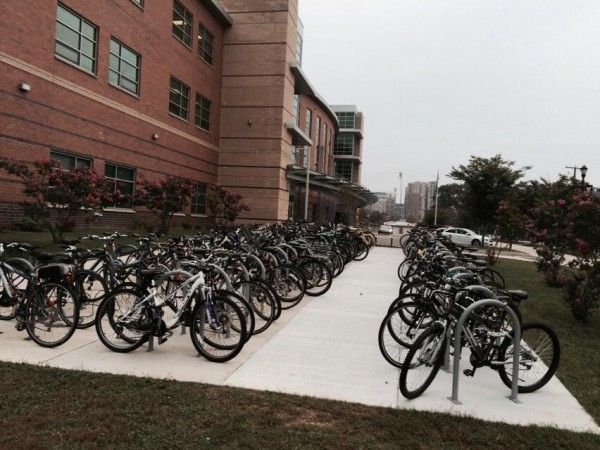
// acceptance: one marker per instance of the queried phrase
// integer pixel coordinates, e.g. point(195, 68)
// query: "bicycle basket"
point(55, 272)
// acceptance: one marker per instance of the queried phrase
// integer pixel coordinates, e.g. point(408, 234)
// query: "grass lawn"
point(51, 408)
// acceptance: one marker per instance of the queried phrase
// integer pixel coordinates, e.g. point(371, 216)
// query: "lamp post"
point(583, 169)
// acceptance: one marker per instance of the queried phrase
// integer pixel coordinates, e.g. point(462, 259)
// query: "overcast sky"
point(441, 80)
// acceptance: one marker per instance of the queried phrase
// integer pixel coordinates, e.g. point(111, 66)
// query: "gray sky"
point(441, 80)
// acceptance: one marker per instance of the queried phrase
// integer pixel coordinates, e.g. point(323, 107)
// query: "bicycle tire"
point(399, 329)
point(90, 289)
point(538, 342)
point(51, 314)
point(318, 276)
point(289, 284)
point(119, 337)
point(261, 302)
point(207, 337)
point(422, 362)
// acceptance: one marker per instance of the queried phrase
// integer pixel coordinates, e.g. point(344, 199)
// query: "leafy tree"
point(164, 198)
point(487, 181)
point(225, 205)
point(376, 217)
point(56, 197)
point(445, 216)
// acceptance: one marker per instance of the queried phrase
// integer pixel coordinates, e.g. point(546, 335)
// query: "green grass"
point(44, 407)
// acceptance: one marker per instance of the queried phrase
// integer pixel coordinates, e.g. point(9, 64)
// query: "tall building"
point(419, 197)
point(211, 91)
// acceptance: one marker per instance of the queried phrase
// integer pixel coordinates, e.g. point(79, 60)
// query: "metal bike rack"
point(458, 347)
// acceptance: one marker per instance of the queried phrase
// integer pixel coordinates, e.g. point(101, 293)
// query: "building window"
point(182, 23)
point(344, 145)
point(179, 99)
point(206, 44)
point(199, 200)
point(308, 129)
point(347, 119)
point(140, 3)
point(124, 69)
point(123, 180)
point(76, 39)
point(343, 169)
point(71, 161)
point(203, 111)
point(297, 110)
point(299, 45)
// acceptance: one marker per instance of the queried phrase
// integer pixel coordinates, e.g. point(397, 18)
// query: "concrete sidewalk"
point(325, 347)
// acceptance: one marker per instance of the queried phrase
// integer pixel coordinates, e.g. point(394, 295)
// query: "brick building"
point(211, 91)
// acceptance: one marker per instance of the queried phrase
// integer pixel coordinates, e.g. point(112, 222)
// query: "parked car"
point(466, 237)
point(385, 229)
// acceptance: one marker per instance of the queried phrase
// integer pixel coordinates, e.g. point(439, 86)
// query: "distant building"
point(419, 198)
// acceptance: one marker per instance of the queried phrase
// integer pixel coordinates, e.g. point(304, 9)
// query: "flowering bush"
point(571, 225)
point(164, 198)
point(582, 292)
point(55, 196)
point(225, 205)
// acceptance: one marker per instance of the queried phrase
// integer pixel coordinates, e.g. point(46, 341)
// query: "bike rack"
point(457, 350)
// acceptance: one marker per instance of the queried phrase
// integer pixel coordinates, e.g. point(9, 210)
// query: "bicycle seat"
point(518, 294)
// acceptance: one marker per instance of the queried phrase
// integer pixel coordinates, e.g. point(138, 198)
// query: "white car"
point(466, 237)
point(385, 229)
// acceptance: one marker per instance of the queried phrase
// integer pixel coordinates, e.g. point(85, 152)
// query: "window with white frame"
point(182, 23)
point(199, 200)
point(124, 70)
point(69, 161)
point(203, 112)
point(179, 99)
point(76, 39)
point(123, 180)
point(206, 44)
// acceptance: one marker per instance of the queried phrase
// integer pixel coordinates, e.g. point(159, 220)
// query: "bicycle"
point(127, 317)
point(46, 307)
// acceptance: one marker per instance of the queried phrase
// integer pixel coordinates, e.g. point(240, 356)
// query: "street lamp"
point(583, 169)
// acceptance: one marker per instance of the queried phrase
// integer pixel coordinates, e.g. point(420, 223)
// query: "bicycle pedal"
point(469, 372)
point(20, 326)
point(162, 339)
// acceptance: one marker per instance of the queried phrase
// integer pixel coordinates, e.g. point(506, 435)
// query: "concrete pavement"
point(325, 347)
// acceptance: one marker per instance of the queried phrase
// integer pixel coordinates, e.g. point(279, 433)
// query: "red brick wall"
point(79, 113)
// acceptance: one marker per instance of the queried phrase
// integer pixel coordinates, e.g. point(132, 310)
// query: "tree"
point(164, 198)
point(376, 217)
point(56, 197)
point(225, 205)
point(487, 181)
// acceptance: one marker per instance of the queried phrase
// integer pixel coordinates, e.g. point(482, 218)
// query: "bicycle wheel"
point(318, 276)
point(245, 308)
point(90, 289)
point(538, 359)
point(217, 329)
point(289, 284)
point(492, 278)
point(423, 362)
point(399, 329)
point(362, 251)
point(51, 314)
point(261, 302)
point(8, 304)
point(404, 268)
point(123, 323)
